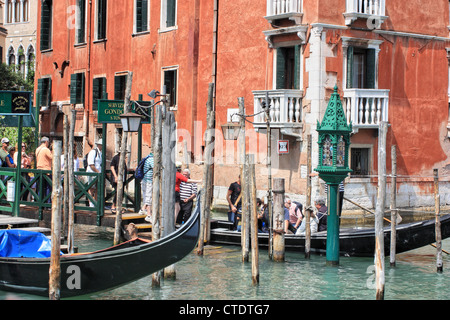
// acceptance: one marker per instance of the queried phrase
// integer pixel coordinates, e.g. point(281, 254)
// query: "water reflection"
point(220, 274)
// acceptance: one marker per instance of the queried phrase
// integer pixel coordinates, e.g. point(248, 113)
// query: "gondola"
point(353, 242)
point(83, 274)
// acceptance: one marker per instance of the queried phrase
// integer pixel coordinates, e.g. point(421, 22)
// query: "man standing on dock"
point(44, 159)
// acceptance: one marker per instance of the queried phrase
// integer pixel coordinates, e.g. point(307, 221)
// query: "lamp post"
point(334, 142)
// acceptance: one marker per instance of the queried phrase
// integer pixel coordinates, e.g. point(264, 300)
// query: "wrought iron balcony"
point(373, 10)
point(366, 108)
point(285, 108)
point(284, 9)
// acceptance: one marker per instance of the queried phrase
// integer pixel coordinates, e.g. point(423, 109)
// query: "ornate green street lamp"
point(334, 142)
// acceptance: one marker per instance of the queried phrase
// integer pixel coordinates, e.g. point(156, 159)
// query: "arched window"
point(11, 57)
point(21, 66)
point(17, 12)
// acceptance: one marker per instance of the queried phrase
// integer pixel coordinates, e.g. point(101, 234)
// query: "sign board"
point(283, 146)
point(15, 103)
point(109, 111)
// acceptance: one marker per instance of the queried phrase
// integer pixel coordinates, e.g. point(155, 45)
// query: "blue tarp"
point(24, 244)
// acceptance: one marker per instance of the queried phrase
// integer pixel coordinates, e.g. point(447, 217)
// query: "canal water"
point(220, 275)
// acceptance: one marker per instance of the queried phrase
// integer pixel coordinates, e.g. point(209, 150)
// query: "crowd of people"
point(294, 221)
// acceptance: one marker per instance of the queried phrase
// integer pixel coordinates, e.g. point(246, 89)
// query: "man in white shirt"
point(94, 162)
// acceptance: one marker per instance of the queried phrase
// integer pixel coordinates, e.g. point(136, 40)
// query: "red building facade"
point(388, 59)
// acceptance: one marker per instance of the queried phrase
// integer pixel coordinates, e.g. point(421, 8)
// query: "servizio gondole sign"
point(15, 103)
point(109, 111)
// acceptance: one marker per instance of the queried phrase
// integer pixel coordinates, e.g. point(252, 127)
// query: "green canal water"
point(220, 275)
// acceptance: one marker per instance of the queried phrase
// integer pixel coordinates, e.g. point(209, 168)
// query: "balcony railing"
point(375, 9)
point(366, 108)
point(282, 9)
point(285, 108)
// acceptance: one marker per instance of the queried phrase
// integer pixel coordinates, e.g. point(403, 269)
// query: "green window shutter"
point(297, 67)
point(281, 68)
point(370, 69)
point(141, 15)
point(46, 24)
point(96, 92)
point(41, 93)
point(119, 87)
point(104, 88)
point(81, 32)
point(170, 14)
point(82, 85)
point(73, 88)
point(101, 19)
point(349, 67)
point(49, 91)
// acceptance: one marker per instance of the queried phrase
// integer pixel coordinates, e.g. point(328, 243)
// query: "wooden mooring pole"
point(71, 217)
point(393, 206)
point(254, 219)
point(207, 173)
point(156, 196)
point(308, 199)
point(123, 150)
point(437, 210)
point(245, 237)
point(379, 212)
point(278, 220)
point(55, 266)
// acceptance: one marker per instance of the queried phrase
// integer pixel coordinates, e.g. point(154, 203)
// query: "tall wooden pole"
point(278, 220)
point(308, 198)
point(66, 175)
point(55, 267)
point(379, 213)
point(168, 182)
point(123, 150)
point(269, 168)
point(207, 172)
point(244, 183)
point(71, 217)
point(437, 210)
point(254, 219)
point(393, 206)
point(156, 203)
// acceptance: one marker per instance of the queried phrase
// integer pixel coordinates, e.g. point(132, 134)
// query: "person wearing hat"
point(180, 178)
point(44, 162)
point(3, 151)
point(10, 157)
point(94, 161)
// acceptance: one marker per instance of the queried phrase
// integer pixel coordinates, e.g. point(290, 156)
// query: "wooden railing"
point(36, 191)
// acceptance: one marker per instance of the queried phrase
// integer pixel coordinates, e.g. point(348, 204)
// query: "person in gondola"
point(313, 223)
point(188, 192)
point(180, 178)
point(322, 212)
point(234, 201)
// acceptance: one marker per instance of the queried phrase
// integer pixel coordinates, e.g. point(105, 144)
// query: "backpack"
point(139, 173)
point(85, 159)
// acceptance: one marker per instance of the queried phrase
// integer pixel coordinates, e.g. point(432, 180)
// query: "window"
point(120, 84)
point(141, 21)
point(11, 57)
point(22, 62)
point(361, 68)
point(81, 21)
point(46, 24)
point(9, 12)
point(170, 81)
point(168, 14)
point(45, 90)
point(288, 68)
point(98, 91)
point(359, 161)
point(25, 10)
point(101, 19)
point(77, 88)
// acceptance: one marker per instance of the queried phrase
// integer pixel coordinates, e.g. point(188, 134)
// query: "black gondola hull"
point(88, 273)
point(352, 242)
